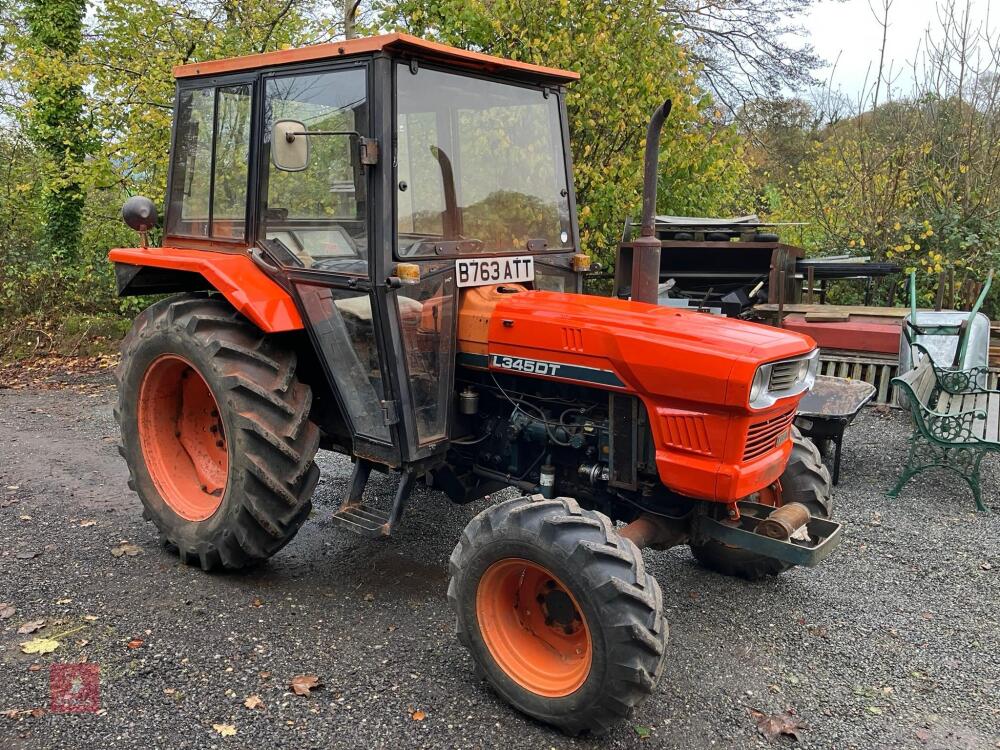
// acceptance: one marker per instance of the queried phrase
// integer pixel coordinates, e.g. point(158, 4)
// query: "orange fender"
point(248, 289)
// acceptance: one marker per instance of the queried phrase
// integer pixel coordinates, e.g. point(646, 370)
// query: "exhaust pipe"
point(640, 263)
point(650, 173)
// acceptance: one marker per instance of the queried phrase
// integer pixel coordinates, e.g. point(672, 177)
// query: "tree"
point(629, 61)
point(744, 47)
point(54, 83)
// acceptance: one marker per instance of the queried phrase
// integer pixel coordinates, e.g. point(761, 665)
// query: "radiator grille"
point(762, 436)
point(784, 375)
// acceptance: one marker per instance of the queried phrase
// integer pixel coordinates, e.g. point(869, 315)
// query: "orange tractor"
point(372, 248)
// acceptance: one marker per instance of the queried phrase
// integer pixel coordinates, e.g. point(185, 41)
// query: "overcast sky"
point(849, 30)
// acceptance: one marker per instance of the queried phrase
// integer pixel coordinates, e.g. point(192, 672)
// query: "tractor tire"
point(216, 433)
point(594, 645)
point(805, 480)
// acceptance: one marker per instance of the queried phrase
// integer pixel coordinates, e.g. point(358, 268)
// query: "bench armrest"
point(952, 428)
point(972, 380)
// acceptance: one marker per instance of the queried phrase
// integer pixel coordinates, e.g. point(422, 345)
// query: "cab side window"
point(318, 210)
point(208, 195)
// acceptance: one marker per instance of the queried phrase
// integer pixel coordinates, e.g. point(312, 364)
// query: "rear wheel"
point(558, 612)
point(216, 432)
point(805, 480)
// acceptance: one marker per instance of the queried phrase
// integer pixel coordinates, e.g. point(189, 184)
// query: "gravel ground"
point(892, 642)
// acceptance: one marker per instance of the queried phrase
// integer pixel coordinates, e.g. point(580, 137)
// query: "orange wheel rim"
point(182, 438)
point(533, 627)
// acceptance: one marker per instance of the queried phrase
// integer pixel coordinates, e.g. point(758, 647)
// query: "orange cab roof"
point(396, 42)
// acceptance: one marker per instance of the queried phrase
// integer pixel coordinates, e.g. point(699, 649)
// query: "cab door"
point(315, 216)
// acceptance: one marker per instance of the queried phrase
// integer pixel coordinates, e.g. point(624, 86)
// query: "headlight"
point(788, 377)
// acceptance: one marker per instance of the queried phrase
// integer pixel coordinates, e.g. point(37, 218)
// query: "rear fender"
point(236, 276)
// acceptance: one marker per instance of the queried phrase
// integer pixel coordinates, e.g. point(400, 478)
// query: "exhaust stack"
point(638, 266)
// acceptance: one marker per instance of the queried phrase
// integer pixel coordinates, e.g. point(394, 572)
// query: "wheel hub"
point(182, 437)
point(533, 627)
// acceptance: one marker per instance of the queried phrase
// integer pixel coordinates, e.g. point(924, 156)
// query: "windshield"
point(480, 167)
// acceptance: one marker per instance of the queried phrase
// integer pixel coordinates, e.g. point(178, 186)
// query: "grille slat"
point(784, 375)
point(762, 436)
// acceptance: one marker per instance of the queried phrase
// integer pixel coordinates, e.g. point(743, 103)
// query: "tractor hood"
point(647, 349)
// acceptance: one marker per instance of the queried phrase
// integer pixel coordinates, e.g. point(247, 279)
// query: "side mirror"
point(290, 146)
point(139, 213)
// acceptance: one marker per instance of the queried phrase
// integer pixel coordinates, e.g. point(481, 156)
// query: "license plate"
point(482, 271)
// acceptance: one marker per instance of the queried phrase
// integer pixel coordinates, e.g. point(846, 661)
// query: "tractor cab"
point(357, 174)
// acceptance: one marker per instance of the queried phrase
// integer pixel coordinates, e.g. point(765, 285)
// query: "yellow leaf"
point(253, 701)
point(40, 646)
point(418, 715)
point(226, 730)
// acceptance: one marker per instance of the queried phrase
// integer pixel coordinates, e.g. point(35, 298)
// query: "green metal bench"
point(956, 421)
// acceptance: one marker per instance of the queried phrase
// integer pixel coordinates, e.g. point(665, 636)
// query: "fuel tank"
point(692, 371)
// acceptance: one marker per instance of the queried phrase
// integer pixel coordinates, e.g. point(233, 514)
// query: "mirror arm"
point(367, 147)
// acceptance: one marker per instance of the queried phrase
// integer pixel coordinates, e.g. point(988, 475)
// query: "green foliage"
point(629, 61)
point(53, 78)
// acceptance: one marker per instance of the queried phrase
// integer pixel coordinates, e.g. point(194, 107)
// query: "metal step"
point(363, 520)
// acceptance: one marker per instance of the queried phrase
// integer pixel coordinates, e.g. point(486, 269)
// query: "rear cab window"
point(211, 158)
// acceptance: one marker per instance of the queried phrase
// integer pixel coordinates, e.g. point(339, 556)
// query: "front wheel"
point(558, 612)
point(805, 480)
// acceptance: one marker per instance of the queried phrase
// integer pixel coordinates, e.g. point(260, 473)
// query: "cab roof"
point(393, 43)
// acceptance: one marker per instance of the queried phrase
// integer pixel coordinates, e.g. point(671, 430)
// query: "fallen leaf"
point(13, 487)
point(90, 618)
point(31, 627)
point(82, 642)
point(257, 602)
point(36, 667)
point(39, 646)
point(301, 684)
point(253, 701)
point(369, 597)
point(226, 730)
point(37, 713)
point(773, 726)
point(64, 601)
point(88, 522)
point(418, 715)
point(10, 713)
point(7, 610)
point(125, 548)
point(264, 675)
point(134, 643)
point(25, 518)
point(986, 566)
point(923, 734)
point(8, 503)
point(875, 710)
point(643, 732)
point(27, 555)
